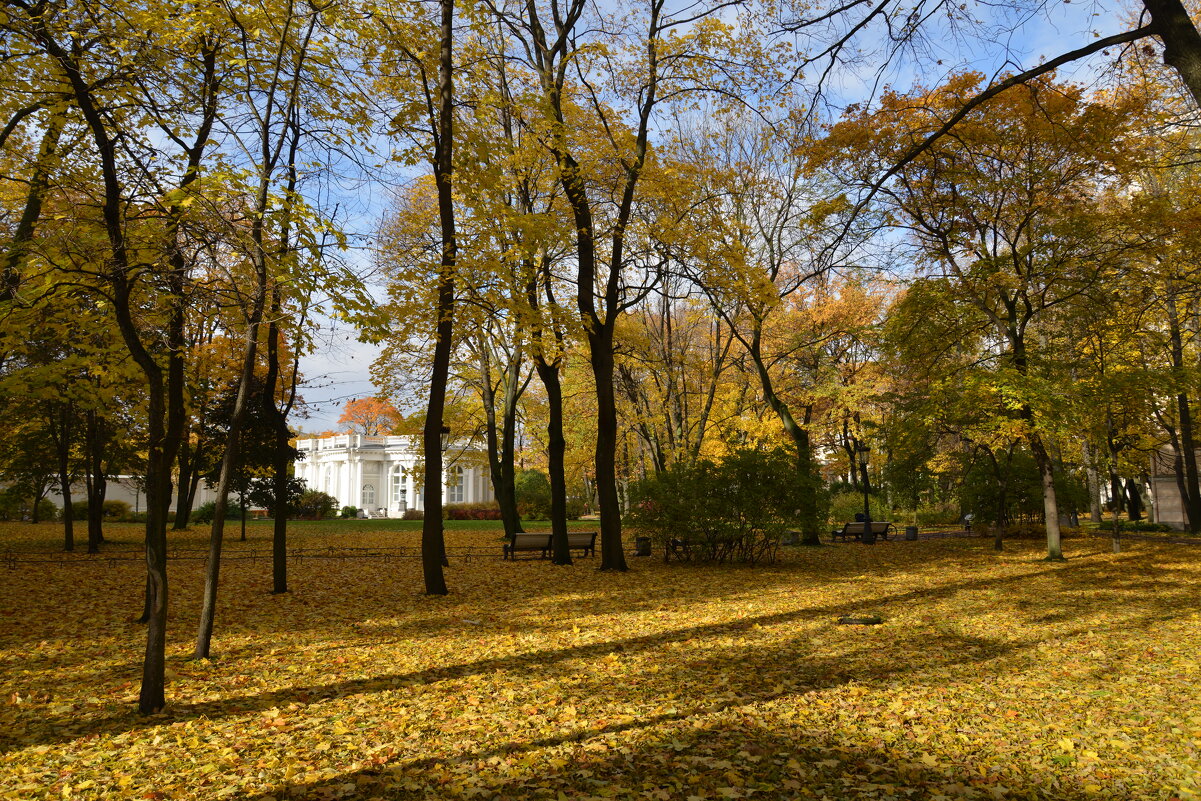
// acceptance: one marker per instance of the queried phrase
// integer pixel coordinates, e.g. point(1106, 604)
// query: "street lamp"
point(869, 536)
point(445, 438)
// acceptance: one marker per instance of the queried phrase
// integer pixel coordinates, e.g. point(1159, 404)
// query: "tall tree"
point(1005, 215)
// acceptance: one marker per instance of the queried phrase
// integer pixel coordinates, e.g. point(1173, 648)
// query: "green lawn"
point(991, 677)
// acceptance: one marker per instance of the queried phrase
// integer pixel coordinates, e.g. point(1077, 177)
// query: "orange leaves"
point(370, 416)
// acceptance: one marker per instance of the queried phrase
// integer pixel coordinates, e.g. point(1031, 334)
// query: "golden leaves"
point(992, 677)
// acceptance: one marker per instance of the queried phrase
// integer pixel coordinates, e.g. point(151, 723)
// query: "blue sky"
point(339, 369)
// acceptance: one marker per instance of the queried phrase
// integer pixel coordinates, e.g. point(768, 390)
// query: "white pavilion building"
point(382, 475)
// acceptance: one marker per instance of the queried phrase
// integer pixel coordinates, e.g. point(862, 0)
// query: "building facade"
point(383, 475)
point(1166, 502)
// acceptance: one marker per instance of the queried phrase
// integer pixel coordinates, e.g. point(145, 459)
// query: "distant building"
point(383, 475)
point(1165, 490)
point(128, 489)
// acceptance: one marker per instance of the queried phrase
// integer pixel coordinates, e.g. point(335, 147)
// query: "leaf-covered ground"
point(991, 677)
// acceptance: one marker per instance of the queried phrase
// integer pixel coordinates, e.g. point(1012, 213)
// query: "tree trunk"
point(500, 439)
point(1181, 40)
point(1134, 500)
point(556, 449)
point(279, 532)
point(1093, 481)
point(60, 431)
point(1046, 472)
point(1188, 448)
point(184, 492)
point(807, 501)
point(600, 346)
point(433, 543)
point(96, 481)
point(39, 182)
point(508, 439)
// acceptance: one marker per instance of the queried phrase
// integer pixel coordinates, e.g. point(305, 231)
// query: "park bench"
point(584, 541)
point(879, 527)
point(527, 543)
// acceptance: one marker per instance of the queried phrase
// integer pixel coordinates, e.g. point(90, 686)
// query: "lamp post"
point(869, 536)
point(445, 438)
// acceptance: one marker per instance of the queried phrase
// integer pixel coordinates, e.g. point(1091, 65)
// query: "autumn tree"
point(1004, 216)
point(409, 69)
point(371, 417)
point(598, 106)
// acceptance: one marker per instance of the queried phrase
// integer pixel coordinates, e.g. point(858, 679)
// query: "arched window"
point(368, 495)
point(454, 485)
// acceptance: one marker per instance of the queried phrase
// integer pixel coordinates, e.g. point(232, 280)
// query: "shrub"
point(205, 512)
point(575, 508)
point(315, 505)
point(349, 512)
point(413, 514)
point(113, 510)
point(117, 510)
point(844, 506)
point(488, 510)
point(1138, 525)
point(736, 510)
point(532, 489)
point(938, 514)
point(15, 507)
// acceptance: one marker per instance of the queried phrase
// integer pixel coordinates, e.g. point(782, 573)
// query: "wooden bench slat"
point(527, 542)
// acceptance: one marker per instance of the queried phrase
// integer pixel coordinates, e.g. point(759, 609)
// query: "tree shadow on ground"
point(744, 667)
point(723, 752)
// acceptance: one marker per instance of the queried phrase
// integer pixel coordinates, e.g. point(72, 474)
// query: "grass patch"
point(992, 676)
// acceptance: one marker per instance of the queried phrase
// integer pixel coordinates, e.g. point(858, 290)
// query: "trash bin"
point(642, 546)
point(911, 532)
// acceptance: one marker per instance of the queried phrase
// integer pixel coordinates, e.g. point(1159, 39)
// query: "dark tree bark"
point(164, 388)
point(284, 454)
point(1181, 40)
point(1134, 500)
point(1184, 418)
point(189, 479)
point(501, 439)
point(433, 544)
point(61, 431)
point(39, 183)
point(807, 502)
point(96, 441)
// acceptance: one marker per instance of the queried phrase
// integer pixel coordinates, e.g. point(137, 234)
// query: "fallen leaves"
point(1003, 677)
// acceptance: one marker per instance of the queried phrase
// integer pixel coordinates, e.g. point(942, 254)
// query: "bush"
point(314, 505)
point(844, 506)
point(113, 510)
point(349, 512)
point(1137, 525)
point(117, 510)
point(488, 510)
point(532, 488)
point(735, 511)
point(16, 506)
point(413, 514)
point(206, 512)
point(575, 508)
point(938, 514)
